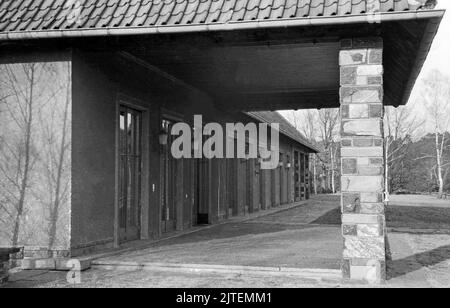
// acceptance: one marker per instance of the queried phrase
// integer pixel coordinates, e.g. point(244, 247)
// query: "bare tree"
point(398, 124)
point(305, 121)
point(57, 126)
point(328, 120)
point(20, 82)
point(309, 130)
point(436, 95)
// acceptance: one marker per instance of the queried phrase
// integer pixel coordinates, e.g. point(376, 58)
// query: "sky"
point(438, 58)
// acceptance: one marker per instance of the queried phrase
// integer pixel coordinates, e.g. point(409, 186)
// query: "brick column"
point(362, 182)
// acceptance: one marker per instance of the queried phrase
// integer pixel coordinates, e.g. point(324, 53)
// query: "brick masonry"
point(363, 220)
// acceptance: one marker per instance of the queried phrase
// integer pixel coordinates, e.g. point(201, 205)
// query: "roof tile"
point(286, 128)
point(37, 15)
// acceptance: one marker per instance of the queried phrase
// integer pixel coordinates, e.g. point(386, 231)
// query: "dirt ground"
point(307, 236)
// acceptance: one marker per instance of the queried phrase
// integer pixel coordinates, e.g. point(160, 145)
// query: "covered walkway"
point(308, 236)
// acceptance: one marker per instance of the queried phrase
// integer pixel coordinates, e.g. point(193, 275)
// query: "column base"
point(364, 270)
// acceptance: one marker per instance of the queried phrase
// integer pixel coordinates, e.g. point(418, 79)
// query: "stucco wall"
point(93, 164)
point(35, 153)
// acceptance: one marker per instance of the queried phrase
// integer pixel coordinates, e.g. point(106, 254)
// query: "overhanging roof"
point(49, 18)
point(407, 27)
point(286, 128)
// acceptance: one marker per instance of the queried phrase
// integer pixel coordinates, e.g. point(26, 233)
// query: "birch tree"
point(328, 120)
point(436, 96)
point(399, 123)
point(305, 121)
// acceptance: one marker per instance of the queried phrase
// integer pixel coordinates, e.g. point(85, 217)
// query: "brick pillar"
point(362, 181)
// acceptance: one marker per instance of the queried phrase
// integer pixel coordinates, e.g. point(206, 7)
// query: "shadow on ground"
point(401, 267)
point(332, 217)
point(435, 219)
point(413, 217)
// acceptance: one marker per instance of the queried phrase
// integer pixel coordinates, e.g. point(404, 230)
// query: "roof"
point(56, 15)
point(286, 128)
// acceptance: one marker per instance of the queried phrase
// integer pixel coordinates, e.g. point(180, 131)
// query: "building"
point(82, 71)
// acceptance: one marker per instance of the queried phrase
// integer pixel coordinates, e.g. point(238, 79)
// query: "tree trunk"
point(314, 174)
point(333, 185)
point(25, 176)
point(386, 171)
point(439, 167)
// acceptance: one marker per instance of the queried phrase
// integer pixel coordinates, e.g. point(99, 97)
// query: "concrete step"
point(315, 274)
point(52, 264)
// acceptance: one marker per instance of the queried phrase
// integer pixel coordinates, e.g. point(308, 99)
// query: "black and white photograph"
point(221, 150)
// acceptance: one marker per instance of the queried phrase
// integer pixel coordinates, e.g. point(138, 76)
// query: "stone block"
point(369, 230)
point(358, 111)
point(364, 248)
point(348, 75)
point(361, 128)
point(349, 166)
point(378, 142)
point(376, 161)
point(38, 253)
point(353, 57)
point(363, 142)
point(362, 152)
point(350, 202)
point(362, 80)
point(363, 161)
point(371, 197)
point(374, 80)
point(355, 219)
point(39, 264)
point(345, 267)
point(375, 111)
point(349, 230)
point(357, 95)
point(368, 270)
point(369, 274)
point(346, 43)
point(358, 183)
point(369, 70)
point(63, 264)
point(346, 142)
point(375, 56)
point(345, 111)
point(3, 278)
point(369, 170)
point(372, 208)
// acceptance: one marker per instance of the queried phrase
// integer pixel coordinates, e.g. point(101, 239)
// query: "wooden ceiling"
point(292, 68)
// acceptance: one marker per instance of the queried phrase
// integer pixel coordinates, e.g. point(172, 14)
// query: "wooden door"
point(130, 174)
point(203, 185)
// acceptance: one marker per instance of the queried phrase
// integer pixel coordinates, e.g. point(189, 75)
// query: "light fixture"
point(163, 138)
point(288, 165)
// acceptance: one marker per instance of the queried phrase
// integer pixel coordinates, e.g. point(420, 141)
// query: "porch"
point(157, 68)
point(307, 236)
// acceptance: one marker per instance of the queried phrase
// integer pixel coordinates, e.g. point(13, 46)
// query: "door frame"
point(174, 117)
point(141, 106)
